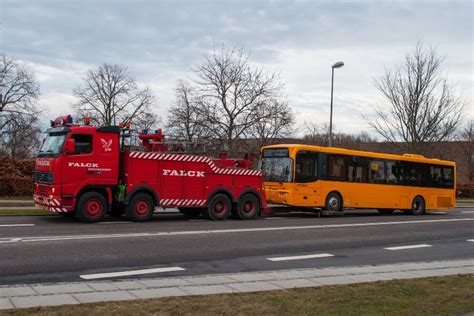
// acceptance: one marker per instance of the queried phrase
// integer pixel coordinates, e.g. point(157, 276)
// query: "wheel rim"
point(142, 207)
point(334, 203)
point(417, 206)
point(248, 207)
point(220, 208)
point(93, 207)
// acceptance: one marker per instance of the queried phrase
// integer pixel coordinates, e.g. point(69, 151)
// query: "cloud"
point(160, 41)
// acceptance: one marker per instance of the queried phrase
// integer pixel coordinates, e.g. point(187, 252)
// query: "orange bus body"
point(358, 187)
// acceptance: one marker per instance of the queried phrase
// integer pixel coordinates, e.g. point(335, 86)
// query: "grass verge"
point(427, 296)
point(32, 211)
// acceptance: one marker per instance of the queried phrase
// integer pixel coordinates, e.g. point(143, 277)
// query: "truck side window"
point(83, 143)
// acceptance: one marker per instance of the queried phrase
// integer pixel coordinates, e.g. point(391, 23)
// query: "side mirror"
point(70, 146)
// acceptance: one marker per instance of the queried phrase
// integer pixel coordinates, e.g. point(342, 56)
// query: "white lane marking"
point(437, 212)
point(466, 212)
point(408, 247)
point(318, 255)
point(10, 240)
point(16, 225)
point(471, 240)
point(129, 273)
point(229, 231)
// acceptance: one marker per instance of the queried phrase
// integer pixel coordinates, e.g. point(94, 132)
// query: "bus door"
point(307, 190)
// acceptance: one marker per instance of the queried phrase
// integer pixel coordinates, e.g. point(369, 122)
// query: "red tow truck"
point(87, 171)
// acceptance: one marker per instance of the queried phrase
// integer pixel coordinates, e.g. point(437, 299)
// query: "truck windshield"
point(277, 169)
point(52, 145)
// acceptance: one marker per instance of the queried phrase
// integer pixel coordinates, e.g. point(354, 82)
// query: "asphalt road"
point(36, 249)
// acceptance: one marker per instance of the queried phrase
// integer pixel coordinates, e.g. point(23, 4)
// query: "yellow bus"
point(336, 178)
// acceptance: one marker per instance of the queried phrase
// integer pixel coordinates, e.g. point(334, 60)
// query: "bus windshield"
point(52, 145)
point(276, 165)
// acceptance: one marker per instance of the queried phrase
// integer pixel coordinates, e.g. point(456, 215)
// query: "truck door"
point(77, 169)
point(108, 152)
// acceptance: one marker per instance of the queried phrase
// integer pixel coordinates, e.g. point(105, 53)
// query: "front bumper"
point(52, 205)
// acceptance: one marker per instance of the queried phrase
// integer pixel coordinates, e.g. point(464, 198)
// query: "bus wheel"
point(141, 208)
point(219, 208)
point(248, 207)
point(334, 202)
point(193, 212)
point(418, 206)
point(91, 207)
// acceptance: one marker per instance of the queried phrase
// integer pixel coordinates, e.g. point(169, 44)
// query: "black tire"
point(418, 206)
point(92, 207)
point(193, 212)
point(219, 207)
point(141, 208)
point(386, 211)
point(248, 207)
point(333, 202)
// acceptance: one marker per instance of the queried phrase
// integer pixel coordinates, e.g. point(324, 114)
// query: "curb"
point(52, 294)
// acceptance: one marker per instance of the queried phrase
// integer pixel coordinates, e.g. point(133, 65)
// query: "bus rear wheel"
point(418, 206)
point(333, 202)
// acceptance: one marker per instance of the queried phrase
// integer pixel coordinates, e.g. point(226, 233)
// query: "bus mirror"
point(71, 146)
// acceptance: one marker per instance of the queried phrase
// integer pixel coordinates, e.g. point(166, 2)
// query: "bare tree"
point(19, 92)
point(21, 136)
point(317, 134)
point(230, 95)
point(184, 120)
point(276, 121)
point(421, 106)
point(467, 136)
point(110, 95)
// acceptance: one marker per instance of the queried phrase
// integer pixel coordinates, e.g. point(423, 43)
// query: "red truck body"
point(84, 171)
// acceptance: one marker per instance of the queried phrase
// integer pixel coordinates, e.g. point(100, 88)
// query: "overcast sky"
point(160, 41)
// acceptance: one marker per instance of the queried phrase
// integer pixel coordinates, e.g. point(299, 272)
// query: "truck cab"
point(75, 159)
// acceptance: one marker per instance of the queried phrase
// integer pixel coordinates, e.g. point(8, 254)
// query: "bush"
point(16, 177)
point(465, 190)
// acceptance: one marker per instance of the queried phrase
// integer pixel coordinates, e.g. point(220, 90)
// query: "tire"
point(418, 206)
point(333, 202)
point(248, 207)
point(219, 207)
point(141, 208)
point(192, 212)
point(92, 207)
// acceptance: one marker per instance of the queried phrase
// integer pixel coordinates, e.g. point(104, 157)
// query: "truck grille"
point(43, 177)
point(41, 190)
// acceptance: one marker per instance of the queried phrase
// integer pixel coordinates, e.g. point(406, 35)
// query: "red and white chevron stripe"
point(211, 164)
point(182, 202)
point(52, 205)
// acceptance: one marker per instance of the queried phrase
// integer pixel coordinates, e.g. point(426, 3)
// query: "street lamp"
point(339, 64)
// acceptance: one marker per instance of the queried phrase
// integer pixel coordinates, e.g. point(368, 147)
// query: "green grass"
point(32, 211)
point(427, 296)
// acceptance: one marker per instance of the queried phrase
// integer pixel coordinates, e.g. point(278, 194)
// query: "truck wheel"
point(190, 211)
point(248, 207)
point(141, 208)
point(333, 202)
point(418, 206)
point(219, 208)
point(91, 207)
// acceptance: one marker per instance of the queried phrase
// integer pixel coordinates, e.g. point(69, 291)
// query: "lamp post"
point(339, 64)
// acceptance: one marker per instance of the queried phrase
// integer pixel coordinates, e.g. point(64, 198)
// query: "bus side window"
point(337, 168)
point(377, 171)
point(306, 167)
point(357, 169)
point(392, 172)
point(448, 177)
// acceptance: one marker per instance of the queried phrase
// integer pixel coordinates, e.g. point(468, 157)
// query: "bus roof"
point(343, 151)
